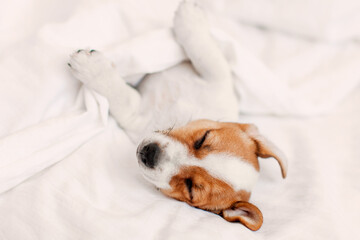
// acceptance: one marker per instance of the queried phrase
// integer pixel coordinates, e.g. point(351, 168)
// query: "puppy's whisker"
point(171, 128)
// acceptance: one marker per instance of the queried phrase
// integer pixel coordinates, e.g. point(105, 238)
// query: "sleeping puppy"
point(208, 164)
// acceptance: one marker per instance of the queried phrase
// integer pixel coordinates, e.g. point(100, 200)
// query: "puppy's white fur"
point(202, 89)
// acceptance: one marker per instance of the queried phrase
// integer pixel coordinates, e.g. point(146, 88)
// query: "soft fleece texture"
point(95, 190)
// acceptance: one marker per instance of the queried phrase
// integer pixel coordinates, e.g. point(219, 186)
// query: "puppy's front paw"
point(91, 67)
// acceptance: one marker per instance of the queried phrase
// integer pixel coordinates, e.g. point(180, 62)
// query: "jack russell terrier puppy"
point(208, 164)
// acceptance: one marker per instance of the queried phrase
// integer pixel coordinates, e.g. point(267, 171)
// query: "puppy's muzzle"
point(149, 154)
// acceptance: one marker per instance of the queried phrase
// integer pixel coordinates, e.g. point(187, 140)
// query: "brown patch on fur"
point(264, 147)
point(207, 192)
point(223, 137)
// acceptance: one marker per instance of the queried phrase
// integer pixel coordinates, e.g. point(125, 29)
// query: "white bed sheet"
point(95, 191)
point(98, 193)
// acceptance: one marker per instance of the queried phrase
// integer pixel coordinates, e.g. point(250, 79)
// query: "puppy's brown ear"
point(245, 213)
point(264, 147)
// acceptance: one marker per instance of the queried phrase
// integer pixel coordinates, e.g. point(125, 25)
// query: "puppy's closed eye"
point(199, 142)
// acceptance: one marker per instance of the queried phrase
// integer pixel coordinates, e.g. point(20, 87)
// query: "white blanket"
point(330, 20)
point(95, 190)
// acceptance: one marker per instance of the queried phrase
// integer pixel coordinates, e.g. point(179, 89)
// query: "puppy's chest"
point(181, 93)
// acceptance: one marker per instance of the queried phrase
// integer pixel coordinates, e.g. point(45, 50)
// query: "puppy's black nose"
point(149, 154)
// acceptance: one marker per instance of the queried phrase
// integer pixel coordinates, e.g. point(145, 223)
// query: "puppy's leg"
point(192, 32)
point(97, 72)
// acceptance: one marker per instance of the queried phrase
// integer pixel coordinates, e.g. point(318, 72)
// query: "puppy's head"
point(209, 165)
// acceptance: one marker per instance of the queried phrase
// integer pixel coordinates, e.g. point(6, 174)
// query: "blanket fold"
point(35, 148)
